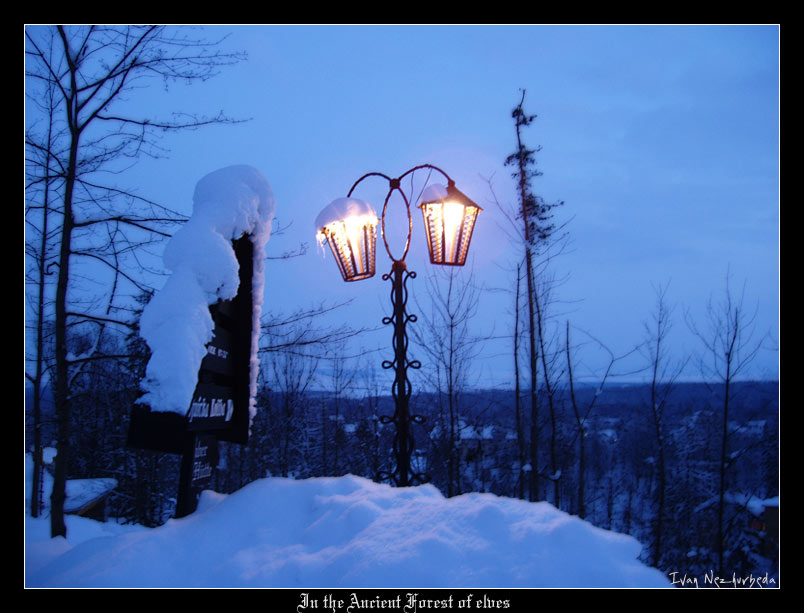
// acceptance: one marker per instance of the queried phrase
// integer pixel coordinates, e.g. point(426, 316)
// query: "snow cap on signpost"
point(227, 204)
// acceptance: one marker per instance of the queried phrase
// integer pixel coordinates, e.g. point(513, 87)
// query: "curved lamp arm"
point(395, 185)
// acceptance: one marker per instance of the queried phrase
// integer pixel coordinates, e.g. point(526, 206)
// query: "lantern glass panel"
point(353, 244)
point(449, 225)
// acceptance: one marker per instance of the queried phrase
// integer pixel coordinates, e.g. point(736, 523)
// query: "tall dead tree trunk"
point(523, 157)
point(536, 231)
point(547, 375)
point(520, 433)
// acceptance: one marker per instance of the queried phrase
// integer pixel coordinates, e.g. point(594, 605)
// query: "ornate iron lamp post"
point(349, 226)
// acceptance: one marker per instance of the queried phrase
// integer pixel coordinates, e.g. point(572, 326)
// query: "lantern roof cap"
point(342, 208)
point(436, 192)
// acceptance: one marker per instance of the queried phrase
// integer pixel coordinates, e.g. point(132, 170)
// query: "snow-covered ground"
point(345, 532)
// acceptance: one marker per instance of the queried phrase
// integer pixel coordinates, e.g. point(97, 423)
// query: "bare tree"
point(371, 458)
point(301, 333)
point(291, 376)
point(537, 231)
point(730, 341)
point(664, 375)
point(39, 252)
point(92, 69)
point(445, 338)
point(341, 380)
point(583, 412)
point(296, 346)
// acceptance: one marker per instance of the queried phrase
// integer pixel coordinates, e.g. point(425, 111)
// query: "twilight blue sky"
point(663, 142)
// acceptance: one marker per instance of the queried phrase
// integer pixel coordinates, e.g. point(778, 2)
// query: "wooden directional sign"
point(220, 402)
point(236, 328)
point(156, 431)
point(197, 469)
point(212, 407)
point(219, 409)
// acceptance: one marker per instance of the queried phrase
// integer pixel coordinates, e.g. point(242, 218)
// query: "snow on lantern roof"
point(342, 208)
point(434, 193)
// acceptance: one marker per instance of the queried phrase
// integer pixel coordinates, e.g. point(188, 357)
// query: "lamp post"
point(349, 225)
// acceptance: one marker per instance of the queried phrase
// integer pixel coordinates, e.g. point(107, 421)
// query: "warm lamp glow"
point(449, 220)
point(351, 238)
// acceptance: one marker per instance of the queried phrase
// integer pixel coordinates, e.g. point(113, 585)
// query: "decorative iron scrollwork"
point(401, 389)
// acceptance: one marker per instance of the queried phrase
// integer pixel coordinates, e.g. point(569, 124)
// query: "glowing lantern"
point(449, 220)
point(349, 226)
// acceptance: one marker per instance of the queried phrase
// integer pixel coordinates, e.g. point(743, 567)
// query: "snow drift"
point(176, 323)
point(352, 532)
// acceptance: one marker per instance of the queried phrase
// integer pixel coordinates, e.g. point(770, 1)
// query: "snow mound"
point(352, 532)
point(176, 323)
point(40, 549)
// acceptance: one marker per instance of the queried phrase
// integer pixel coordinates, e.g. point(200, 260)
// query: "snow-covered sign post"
point(203, 326)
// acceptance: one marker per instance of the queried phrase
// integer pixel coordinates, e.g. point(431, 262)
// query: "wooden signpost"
point(219, 410)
